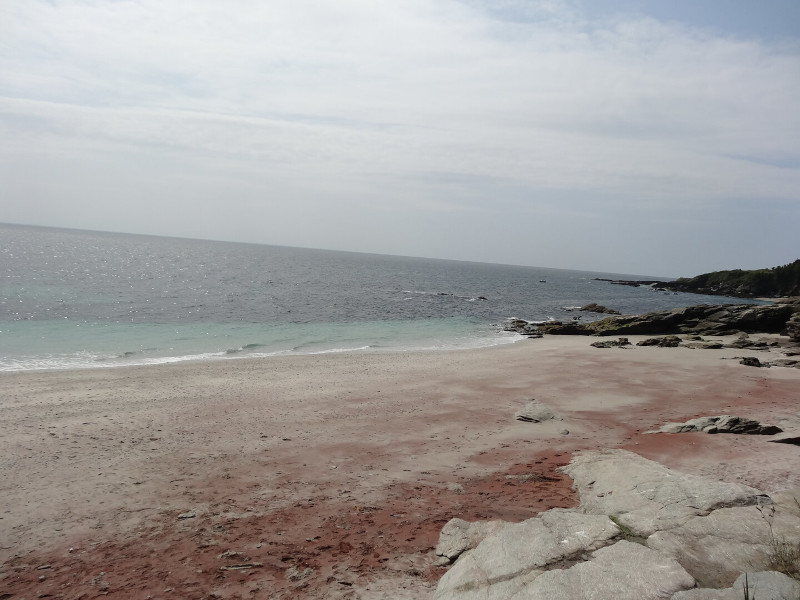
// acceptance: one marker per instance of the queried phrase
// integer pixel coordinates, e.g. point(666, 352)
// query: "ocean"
point(74, 299)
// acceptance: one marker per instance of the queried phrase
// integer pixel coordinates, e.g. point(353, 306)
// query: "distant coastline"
point(777, 282)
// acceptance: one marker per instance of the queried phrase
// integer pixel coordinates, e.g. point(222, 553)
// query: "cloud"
point(434, 106)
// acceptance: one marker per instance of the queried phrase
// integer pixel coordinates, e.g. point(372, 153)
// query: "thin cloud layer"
point(364, 126)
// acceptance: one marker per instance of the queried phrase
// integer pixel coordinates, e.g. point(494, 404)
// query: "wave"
point(245, 348)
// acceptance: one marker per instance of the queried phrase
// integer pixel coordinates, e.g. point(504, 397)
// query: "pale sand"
point(347, 464)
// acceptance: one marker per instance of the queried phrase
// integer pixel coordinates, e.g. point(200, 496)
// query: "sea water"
point(81, 299)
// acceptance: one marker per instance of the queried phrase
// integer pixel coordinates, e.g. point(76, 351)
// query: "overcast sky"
point(630, 136)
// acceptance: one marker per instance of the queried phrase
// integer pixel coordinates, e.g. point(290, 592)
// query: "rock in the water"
point(535, 412)
point(510, 558)
point(598, 308)
point(645, 496)
point(624, 571)
point(720, 424)
point(458, 536)
point(523, 327)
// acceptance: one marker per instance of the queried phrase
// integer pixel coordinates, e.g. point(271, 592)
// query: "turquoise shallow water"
point(78, 299)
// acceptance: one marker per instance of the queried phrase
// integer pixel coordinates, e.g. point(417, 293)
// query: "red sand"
point(331, 477)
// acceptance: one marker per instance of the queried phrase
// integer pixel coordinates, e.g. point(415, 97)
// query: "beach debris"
point(535, 412)
point(187, 515)
point(720, 424)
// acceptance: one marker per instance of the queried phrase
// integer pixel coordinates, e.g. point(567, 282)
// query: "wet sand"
point(331, 476)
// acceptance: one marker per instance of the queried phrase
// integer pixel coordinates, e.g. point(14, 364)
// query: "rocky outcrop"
point(641, 531)
point(523, 327)
point(772, 283)
point(720, 424)
point(505, 562)
point(645, 496)
point(727, 542)
point(703, 319)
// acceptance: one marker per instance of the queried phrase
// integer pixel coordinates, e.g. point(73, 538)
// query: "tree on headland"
point(774, 282)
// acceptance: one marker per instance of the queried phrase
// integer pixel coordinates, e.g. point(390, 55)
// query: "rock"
point(670, 341)
point(752, 361)
point(510, 558)
point(787, 437)
point(785, 362)
point(458, 536)
point(721, 424)
point(624, 571)
point(716, 548)
point(645, 496)
point(697, 531)
point(456, 488)
point(762, 585)
point(705, 319)
point(187, 515)
point(535, 412)
point(295, 574)
point(598, 308)
point(793, 328)
point(523, 327)
point(744, 341)
point(704, 345)
point(612, 344)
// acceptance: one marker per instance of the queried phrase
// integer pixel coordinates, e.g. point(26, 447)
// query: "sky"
point(628, 136)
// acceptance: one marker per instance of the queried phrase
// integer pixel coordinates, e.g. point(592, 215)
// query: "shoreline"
point(324, 461)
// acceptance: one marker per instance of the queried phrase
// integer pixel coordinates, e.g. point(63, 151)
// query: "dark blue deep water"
point(77, 299)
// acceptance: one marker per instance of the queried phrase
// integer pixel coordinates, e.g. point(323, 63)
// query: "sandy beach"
point(330, 476)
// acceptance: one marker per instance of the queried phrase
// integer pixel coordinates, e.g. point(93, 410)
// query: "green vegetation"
point(777, 281)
